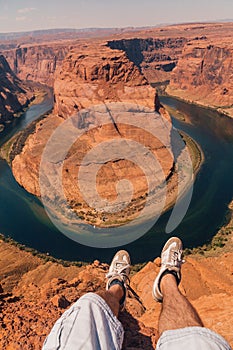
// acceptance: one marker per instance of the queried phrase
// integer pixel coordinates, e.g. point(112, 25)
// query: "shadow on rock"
point(137, 336)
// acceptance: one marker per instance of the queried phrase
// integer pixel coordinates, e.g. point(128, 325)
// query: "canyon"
point(90, 76)
point(204, 74)
point(36, 62)
point(15, 95)
point(192, 62)
point(89, 72)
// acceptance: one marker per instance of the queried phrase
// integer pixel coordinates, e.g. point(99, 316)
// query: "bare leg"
point(113, 297)
point(177, 312)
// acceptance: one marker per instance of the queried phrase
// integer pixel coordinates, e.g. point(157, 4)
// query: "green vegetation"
point(43, 256)
point(195, 152)
point(219, 241)
point(14, 146)
point(6, 149)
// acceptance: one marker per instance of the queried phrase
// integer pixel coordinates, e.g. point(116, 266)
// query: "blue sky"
point(22, 15)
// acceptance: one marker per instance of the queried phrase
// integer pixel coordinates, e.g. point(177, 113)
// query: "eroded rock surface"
point(194, 59)
point(93, 76)
point(41, 292)
point(37, 62)
point(14, 95)
point(157, 57)
point(204, 74)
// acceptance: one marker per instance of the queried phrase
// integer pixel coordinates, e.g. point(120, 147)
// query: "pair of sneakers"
point(171, 261)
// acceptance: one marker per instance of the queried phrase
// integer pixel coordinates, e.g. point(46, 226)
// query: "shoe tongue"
point(118, 264)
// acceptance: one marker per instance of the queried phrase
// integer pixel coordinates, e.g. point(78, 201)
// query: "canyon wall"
point(195, 60)
point(204, 74)
point(95, 74)
point(156, 57)
point(37, 62)
point(14, 95)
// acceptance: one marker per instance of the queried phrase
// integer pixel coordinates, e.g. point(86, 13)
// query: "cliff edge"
point(34, 293)
point(14, 94)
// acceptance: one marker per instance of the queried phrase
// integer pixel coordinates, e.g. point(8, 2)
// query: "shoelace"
point(119, 273)
point(176, 259)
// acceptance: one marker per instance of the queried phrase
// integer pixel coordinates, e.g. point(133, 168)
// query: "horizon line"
point(115, 27)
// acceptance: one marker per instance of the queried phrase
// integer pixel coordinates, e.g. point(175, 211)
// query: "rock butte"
point(195, 58)
point(93, 75)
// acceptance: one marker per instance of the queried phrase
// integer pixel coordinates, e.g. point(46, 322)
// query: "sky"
point(26, 15)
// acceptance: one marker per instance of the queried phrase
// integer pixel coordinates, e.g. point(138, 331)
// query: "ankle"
point(167, 283)
point(117, 291)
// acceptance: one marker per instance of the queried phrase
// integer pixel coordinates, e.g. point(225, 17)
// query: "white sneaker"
point(171, 261)
point(119, 273)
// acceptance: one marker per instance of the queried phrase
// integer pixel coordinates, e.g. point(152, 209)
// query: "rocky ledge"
point(37, 62)
point(34, 293)
point(194, 61)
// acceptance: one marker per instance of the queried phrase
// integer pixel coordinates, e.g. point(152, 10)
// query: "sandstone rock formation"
point(187, 56)
point(37, 62)
point(36, 293)
point(33, 294)
point(14, 95)
point(156, 57)
point(94, 74)
point(97, 75)
point(204, 74)
point(195, 60)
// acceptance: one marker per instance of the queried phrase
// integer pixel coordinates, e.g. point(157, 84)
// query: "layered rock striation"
point(194, 59)
point(204, 74)
point(37, 62)
point(98, 76)
point(154, 56)
point(14, 95)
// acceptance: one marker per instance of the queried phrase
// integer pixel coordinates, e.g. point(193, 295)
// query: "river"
point(23, 218)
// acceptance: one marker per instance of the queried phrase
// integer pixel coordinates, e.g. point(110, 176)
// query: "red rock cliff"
point(156, 57)
point(197, 59)
point(204, 74)
point(14, 95)
point(88, 77)
point(37, 62)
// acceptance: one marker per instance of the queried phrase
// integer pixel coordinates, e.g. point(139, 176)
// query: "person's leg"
point(177, 312)
point(117, 279)
point(91, 323)
point(180, 327)
point(113, 297)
